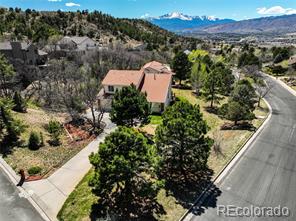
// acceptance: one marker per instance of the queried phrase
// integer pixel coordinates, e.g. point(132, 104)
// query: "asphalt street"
point(265, 176)
point(13, 205)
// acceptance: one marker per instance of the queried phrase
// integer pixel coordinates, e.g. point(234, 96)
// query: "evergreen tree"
point(7, 74)
point(34, 141)
point(130, 107)
point(234, 111)
point(19, 103)
point(182, 140)
point(218, 81)
point(55, 130)
point(9, 127)
point(181, 66)
point(244, 93)
point(124, 168)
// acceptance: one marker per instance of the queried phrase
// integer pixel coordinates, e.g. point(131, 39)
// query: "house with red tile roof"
point(154, 79)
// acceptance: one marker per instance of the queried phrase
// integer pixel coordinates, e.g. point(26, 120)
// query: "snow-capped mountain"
point(177, 21)
point(175, 15)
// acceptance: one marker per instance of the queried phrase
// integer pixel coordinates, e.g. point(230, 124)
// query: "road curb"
point(14, 178)
point(230, 165)
point(287, 87)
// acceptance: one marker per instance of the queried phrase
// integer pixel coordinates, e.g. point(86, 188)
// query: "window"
point(111, 88)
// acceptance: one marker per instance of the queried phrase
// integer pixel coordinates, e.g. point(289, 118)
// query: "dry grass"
point(284, 79)
point(48, 158)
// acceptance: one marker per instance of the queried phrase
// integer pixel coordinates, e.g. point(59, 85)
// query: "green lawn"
point(78, 205)
point(156, 119)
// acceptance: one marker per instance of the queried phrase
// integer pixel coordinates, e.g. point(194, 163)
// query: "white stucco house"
point(154, 79)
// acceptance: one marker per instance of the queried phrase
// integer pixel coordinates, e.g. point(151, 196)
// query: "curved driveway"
point(265, 175)
point(12, 206)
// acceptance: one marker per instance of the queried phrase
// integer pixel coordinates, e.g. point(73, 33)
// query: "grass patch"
point(48, 158)
point(78, 205)
point(156, 119)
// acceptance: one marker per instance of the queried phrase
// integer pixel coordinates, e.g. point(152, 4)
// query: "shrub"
point(55, 130)
point(34, 141)
point(19, 103)
point(34, 170)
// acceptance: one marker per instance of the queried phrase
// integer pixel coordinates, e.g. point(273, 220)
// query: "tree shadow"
point(182, 86)
point(208, 200)
point(212, 110)
point(239, 126)
point(141, 208)
point(187, 191)
point(7, 144)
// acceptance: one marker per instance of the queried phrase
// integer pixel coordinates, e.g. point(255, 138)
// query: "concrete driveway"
point(13, 204)
point(265, 175)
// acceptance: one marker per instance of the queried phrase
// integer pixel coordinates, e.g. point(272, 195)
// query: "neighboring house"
point(77, 43)
point(154, 79)
point(28, 53)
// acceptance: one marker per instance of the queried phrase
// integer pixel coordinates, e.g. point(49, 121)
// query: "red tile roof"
point(123, 77)
point(156, 86)
point(159, 67)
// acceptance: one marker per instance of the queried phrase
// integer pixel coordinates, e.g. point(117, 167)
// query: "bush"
point(34, 170)
point(34, 141)
point(19, 103)
point(55, 130)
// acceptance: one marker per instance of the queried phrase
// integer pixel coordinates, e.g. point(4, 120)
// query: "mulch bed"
point(79, 132)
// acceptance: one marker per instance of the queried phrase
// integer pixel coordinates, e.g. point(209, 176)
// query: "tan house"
point(154, 79)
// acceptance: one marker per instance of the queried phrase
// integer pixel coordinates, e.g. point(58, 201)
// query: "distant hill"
point(274, 24)
point(177, 22)
point(41, 27)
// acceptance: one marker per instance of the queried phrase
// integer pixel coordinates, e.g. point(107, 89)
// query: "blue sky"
point(237, 9)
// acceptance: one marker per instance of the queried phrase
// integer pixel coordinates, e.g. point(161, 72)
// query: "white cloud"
point(72, 4)
point(275, 10)
point(54, 0)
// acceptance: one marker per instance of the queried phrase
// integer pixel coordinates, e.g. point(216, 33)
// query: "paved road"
point(265, 176)
point(12, 206)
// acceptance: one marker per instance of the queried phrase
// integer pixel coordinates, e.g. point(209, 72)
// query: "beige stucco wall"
point(117, 87)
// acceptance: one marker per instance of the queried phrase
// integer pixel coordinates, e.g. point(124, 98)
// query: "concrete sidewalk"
point(51, 193)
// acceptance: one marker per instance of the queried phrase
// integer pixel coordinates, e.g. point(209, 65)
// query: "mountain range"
point(178, 22)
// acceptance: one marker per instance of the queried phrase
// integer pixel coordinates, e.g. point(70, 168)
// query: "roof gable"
point(157, 87)
point(123, 78)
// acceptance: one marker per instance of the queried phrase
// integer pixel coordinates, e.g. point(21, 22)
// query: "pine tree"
point(182, 140)
point(19, 103)
point(130, 107)
point(124, 172)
